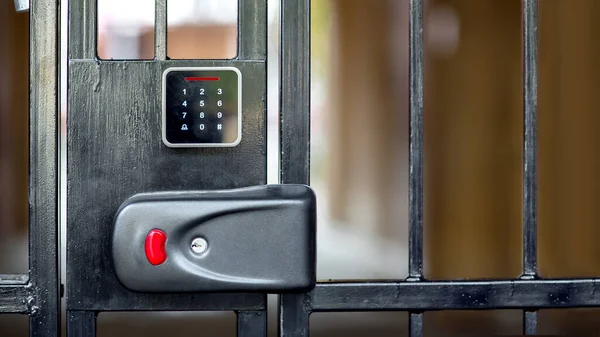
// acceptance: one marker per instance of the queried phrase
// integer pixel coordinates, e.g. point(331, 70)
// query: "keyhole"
point(199, 245)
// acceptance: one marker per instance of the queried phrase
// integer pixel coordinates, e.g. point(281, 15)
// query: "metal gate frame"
point(416, 294)
point(36, 294)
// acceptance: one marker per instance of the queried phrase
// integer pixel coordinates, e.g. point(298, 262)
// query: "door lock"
point(250, 239)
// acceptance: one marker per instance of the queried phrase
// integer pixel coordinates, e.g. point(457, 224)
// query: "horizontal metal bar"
point(14, 279)
point(176, 302)
point(14, 299)
point(454, 295)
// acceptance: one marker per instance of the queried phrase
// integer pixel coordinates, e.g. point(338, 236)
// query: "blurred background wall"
point(473, 140)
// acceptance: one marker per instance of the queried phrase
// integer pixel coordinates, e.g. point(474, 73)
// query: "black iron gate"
point(113, 154)
point(37, 293)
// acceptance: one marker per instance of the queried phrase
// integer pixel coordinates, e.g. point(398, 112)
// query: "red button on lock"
point(155, 247)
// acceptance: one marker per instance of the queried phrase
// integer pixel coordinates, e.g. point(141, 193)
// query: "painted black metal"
point(41, 294)
point(294, 313)
point(415, 160)
point(14, 298)
point(81, 323)
point(251, 323)
point(294, 132)
point(115, 152)
point(530, 11)
point(454, 295)
point(114, 157)
point(37, 293)
point(530, 322)
point(415, 294)
point(260, 239)
point(294, 96)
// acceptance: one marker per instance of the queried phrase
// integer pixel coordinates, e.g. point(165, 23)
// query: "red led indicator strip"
point(190, 79)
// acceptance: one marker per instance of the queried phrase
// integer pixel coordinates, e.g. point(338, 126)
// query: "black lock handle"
point(250, 239)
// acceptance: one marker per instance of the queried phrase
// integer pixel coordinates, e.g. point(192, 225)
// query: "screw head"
point(199, 245)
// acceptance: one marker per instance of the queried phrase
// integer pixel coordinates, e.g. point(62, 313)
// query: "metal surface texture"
point(454, 295)
point(37, 294)
point(530, 190)
point(294, 135)
point(258, 239)
point(44, 119)
point(21, 5)
point(251, 323)
point(116, 151)
point(415, 160)
point(160, 30)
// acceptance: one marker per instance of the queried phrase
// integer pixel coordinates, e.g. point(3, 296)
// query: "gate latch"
point(254, 239)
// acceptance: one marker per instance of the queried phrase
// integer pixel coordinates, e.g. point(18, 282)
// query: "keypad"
point(202, 107)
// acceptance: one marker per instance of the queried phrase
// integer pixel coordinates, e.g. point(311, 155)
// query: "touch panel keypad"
point(202, 107)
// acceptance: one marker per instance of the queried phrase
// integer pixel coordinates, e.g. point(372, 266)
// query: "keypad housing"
point(202, 107)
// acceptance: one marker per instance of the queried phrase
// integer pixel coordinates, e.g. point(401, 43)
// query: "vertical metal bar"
point(530, 323)
point(252, 30)
point(160, 30)
point(252, 323)
point(81, 323)
point(294, 315)
point(295, 92)
point(294, 309)
point(415, 201)
point(21, 5)
point(415, 324)
point(530, 10)
point(530, 141)
point(83, 18)
point(43, 168)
